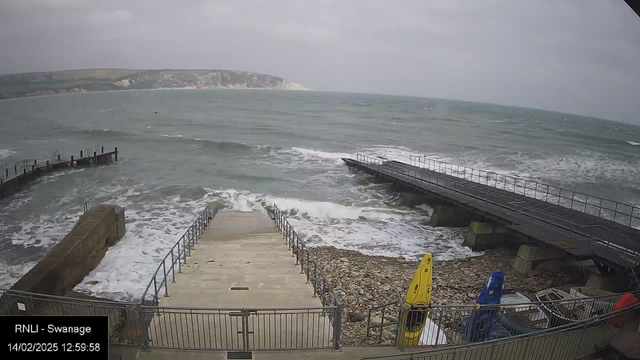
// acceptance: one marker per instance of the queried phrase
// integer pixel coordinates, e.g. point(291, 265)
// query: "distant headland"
point(89, 80)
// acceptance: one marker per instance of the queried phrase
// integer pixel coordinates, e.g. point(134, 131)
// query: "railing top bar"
point(235, 309)
point(61, 298)
point(436, 307)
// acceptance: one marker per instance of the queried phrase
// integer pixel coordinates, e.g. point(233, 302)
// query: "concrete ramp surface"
point(241, 289)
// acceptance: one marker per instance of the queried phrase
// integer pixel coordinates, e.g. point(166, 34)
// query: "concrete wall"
point(68, 262)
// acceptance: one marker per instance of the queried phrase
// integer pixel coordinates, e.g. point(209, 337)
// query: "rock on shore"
point(363, 281)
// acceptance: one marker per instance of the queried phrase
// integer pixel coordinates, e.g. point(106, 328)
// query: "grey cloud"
point(568, 56)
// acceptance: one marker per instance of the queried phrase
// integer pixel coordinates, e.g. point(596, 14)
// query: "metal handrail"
point(603, 304)
point(576, 326)
point(315, 275)
point(188, 241)
point(539, 189)
point(322, 286)
point(631, 250)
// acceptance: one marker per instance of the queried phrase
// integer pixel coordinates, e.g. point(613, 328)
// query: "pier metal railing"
point(460, 324)
point(618, 212)
point(322, 286)
point(176, 257)
point(566, 342)
point(597, 236)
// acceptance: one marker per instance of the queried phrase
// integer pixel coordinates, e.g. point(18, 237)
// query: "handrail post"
point(143, 329)
point(179, 260)
point(293, 245)
point(190, 239)
point(295, 250)
point(402, 320)
point(166, 285)
point(337, 326)
point(315, 277)
point(155, 289)
point(173, 268)
point(184, 245)
point(308, 263)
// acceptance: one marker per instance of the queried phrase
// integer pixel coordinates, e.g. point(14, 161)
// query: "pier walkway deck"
point(577, 223)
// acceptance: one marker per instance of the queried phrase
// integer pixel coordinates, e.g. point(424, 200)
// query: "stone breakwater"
point(363, 281)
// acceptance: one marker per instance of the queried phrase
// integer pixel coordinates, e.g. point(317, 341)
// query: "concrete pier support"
point(531, 258)
point(451, 216)
point(484, 235)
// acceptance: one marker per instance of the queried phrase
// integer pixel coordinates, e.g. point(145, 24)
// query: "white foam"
point(329, 210)
point(398, 153)
point(372, 231)
point(152, 229)
point(9, 273)
point(319, 155)
point(5, 153)
point(633, 143)
point(586, 166)
point(55, 176)
point(171, 136)
point(44, 230)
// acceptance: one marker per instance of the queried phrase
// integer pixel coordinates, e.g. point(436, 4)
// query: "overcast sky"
point(573, 56)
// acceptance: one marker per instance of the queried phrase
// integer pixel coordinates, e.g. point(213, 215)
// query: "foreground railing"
point(446, 324)
point(596, 236)
point(461, 324)
point(322, 287)
point(241, 329)
point(150, 327)
point(177, 255)
point(621, 213)
point(570, 341)
point(125, 319)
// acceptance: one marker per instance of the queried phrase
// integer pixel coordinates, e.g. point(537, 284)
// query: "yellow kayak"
point(417, 301)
